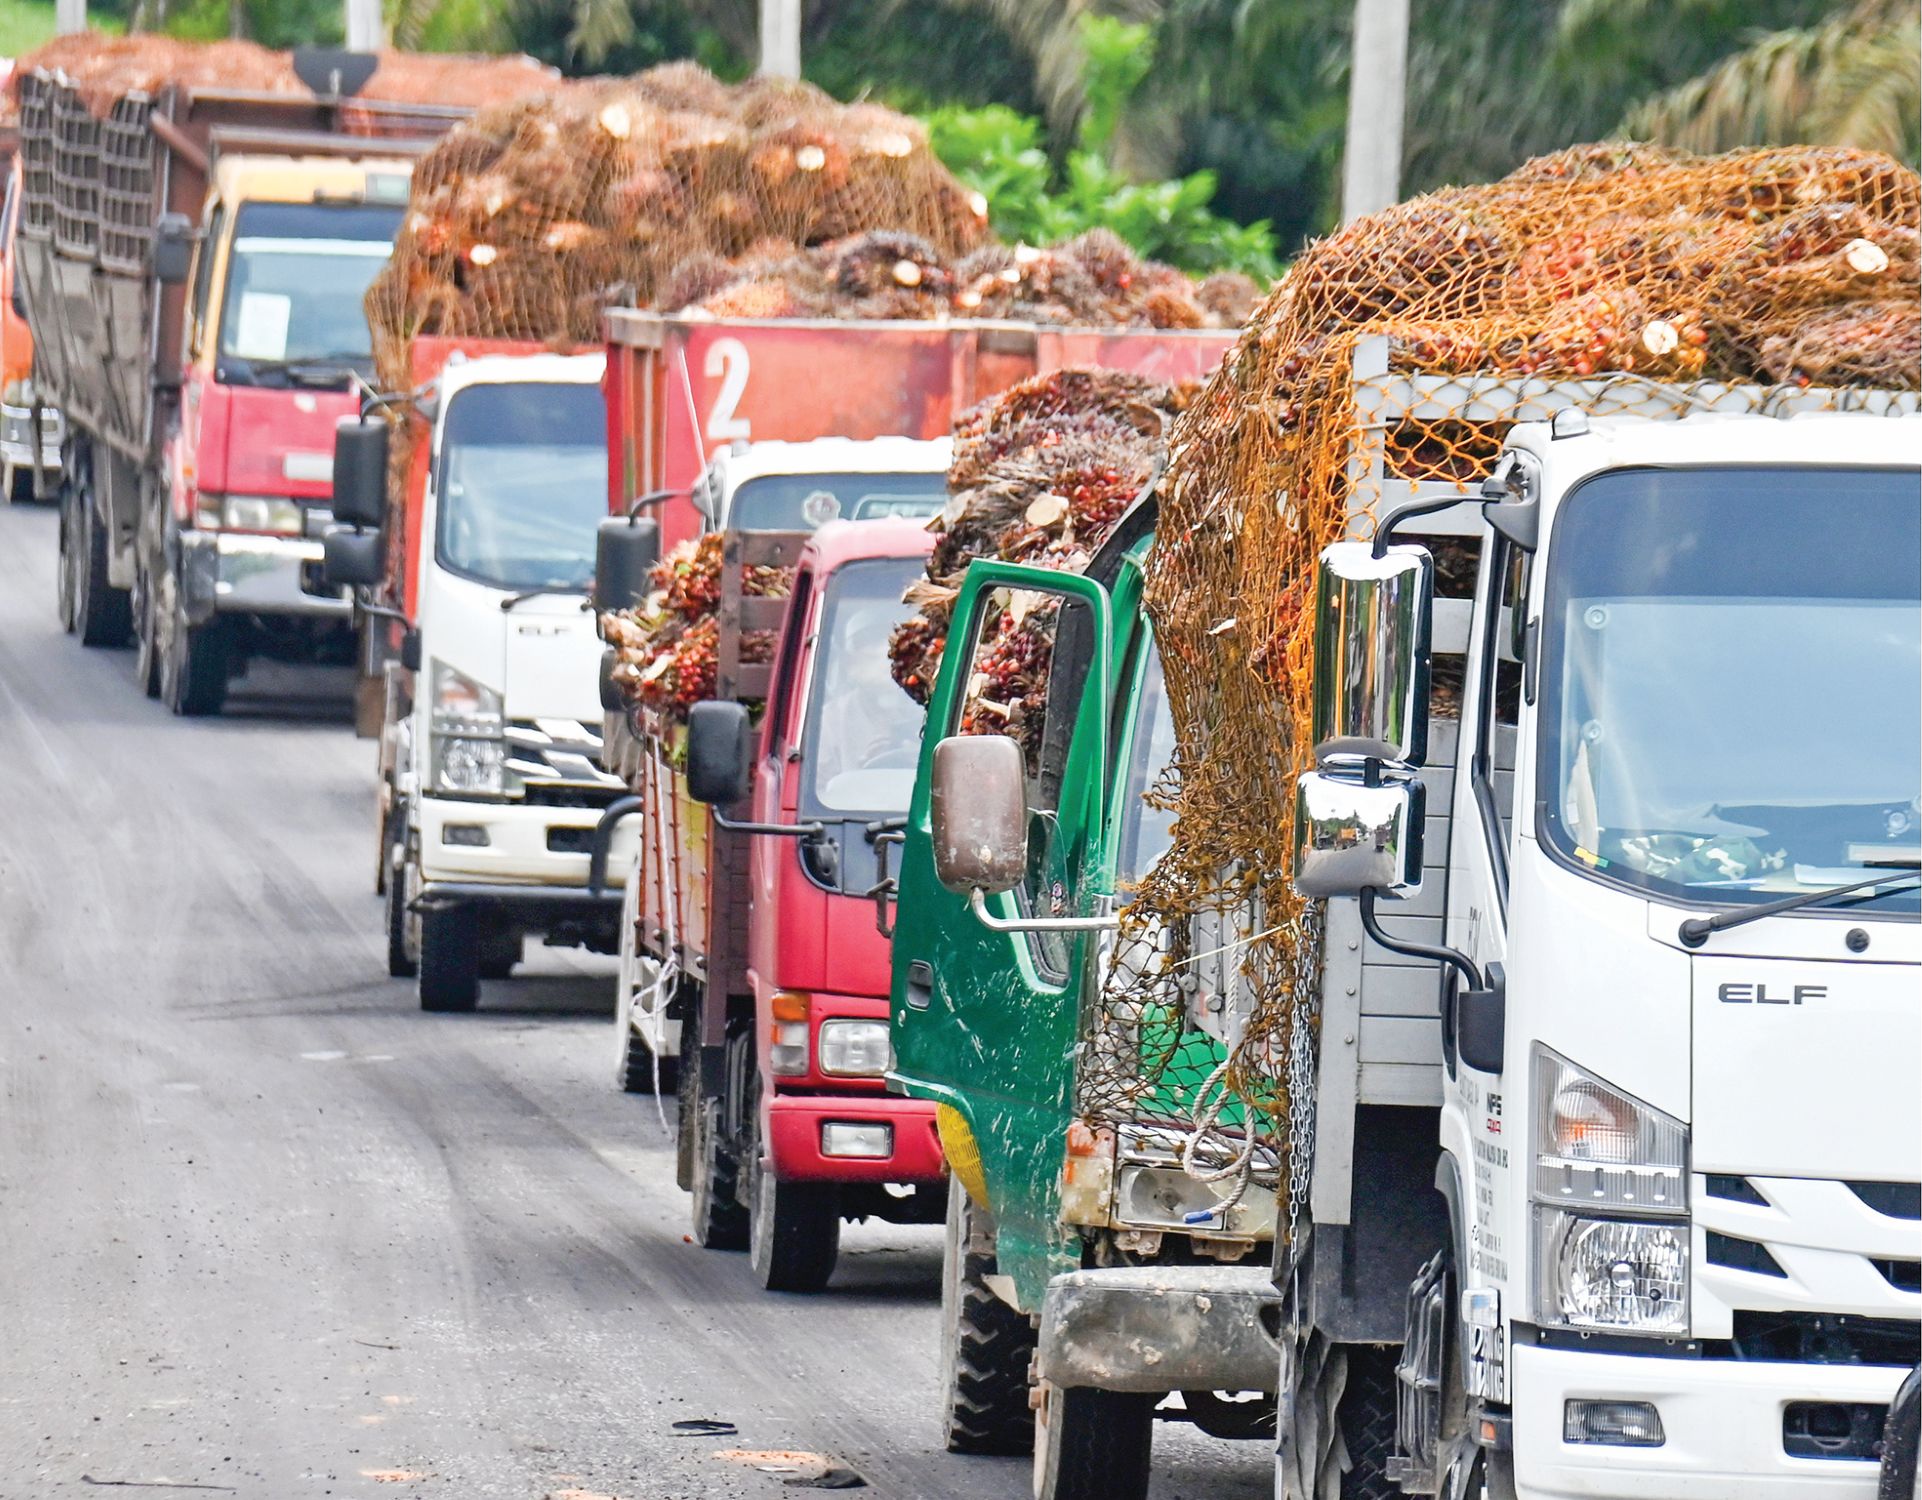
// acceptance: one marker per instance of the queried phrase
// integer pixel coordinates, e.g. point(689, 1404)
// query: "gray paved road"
point(265, 1227)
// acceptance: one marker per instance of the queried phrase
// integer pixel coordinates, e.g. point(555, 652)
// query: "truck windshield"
point(805, 502)
point(523, 483)
point(863, 734)
point(1732, 681)
point(1146, 829)
point(296, 275)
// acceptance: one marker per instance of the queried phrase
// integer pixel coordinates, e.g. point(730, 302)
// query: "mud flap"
point(1311, 1454)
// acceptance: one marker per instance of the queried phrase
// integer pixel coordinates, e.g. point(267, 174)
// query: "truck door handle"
point(920, 984)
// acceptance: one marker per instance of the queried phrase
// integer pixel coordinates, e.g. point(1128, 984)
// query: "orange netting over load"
point(1613, 267)
point(530, 218)
point(105, 68)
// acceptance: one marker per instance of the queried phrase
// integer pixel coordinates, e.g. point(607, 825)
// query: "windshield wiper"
point(1695, 931)
point(534, 593)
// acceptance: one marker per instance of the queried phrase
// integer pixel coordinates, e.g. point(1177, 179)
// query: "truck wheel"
point(91, 607)
point(689, 1092)
point(449, 958)
point(1366, 1417)
point(403, 925)
point(985, 1344)
point(194, 664)
point(794, 1232)
point(720, 1223)
point(146, 628)
point(500, 950)
point(1093, 1445)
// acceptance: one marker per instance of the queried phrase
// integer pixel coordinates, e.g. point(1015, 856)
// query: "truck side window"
point(781, 709)
point(204, 273)
point(1029, 660)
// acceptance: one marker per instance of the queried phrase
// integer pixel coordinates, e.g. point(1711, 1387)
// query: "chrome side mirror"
point(1372, 644)
point(978, 813)
point(1352, 836)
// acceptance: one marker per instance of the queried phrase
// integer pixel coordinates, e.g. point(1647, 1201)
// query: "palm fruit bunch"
point(1039, 474)
point(667, 648)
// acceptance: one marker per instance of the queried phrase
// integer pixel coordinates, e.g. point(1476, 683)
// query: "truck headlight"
point(467, 745)
point(1615, 1274)
point(1599, 1152)
point(853, 1049)
point(274, 515)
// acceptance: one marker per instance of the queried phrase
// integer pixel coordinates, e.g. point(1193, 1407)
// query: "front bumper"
point(794, 1138)
point(16, 437)
point(231, 573)
point(1721, 1420)
point(1162, 1328)
point(518, 849)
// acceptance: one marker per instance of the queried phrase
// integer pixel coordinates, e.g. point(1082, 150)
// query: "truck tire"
point(985, 1345)
point(500, 950)
point(146, 627)
point(90, 606)
point(793, 1232)
point(688, 1091)
point(1093, 1445)
point(1366, 1417)
point(449, 958)
point(194, 667)
point(720, 1222)
point(403, 925)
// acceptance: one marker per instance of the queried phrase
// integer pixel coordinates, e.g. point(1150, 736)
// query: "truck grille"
point(551, 759)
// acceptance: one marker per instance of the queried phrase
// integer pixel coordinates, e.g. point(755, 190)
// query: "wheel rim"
point(63, 579)
point(409, 883)
point(760, 1224)
point(146, 662)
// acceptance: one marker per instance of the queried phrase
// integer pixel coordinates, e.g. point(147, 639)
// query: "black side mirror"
point(720, 752)
point(173, 249)
point(1481, 1019)
point(360, 472)
point(624, 551)
point(352, 558)
point(611, 699)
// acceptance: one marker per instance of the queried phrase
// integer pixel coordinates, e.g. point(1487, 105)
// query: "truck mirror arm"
point(978, 904)
point(790, 830)
point(603, 840)
point(1371, 924)
point(1385, 533)
point(651, 499)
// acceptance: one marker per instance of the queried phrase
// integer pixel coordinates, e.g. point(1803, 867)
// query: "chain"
point(1304, 984)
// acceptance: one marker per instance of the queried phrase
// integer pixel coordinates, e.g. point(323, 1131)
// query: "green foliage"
point(24, 25)
point(1003, 155)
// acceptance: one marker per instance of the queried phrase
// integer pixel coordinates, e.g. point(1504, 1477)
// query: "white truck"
point(1633, 1208)
point(490, 744)
point(769, 487)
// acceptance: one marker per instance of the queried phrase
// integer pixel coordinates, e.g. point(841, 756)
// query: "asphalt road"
point(268, 1230)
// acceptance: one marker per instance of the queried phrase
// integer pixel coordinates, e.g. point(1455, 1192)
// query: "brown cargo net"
point(530, 218)
point(1584, 277)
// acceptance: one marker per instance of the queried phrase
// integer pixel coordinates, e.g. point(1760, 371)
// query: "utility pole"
point(781, 38)
point(69, 16)
point(364, 30)
point(1377, 86)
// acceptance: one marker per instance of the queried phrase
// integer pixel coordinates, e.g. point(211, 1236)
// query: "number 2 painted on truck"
point(727, 359)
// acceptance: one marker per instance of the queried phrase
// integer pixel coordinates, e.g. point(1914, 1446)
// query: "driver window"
point(1028, 660)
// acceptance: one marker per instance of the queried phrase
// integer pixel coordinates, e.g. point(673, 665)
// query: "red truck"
point(192, 265)
point(754, 968)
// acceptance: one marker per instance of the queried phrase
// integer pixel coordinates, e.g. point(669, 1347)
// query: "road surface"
point(268, 1230)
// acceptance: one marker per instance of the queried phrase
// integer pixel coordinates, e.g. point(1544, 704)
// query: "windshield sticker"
point(262, 325)
point(820, 507)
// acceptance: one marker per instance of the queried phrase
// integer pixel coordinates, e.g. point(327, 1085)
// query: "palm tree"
point(1854, 79)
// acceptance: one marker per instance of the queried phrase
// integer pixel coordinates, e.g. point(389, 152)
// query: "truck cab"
point(1670, 880)
point(491, 752)
point(276, 351)
point(1111, 1214)
point(755, 963)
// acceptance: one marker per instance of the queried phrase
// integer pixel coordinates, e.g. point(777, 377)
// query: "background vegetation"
point(1208, 132)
